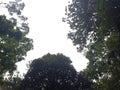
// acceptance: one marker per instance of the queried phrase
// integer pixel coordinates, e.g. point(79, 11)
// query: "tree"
point(13, 46)
point(95, 25)
point(15, 9)
point(13, 41)
point(82, 17)
point(52, 72)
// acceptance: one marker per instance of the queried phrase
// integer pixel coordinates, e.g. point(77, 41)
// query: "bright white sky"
point(49, 32)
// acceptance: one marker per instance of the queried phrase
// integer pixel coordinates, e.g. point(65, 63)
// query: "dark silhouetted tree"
point(52, 72)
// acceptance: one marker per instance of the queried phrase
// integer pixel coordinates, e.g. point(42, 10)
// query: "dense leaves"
point(11, 83)
point(53, 72)
point(81, 16)
point(13, 45)
point(95, 26)
point(13, 41)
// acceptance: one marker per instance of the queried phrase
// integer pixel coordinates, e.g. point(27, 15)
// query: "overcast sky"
point(49, 32)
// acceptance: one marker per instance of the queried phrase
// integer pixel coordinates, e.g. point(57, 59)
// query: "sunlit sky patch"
point(49, 32)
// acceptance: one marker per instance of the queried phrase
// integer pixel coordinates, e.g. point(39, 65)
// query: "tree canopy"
point(13, 41)
point(13, 45)
point(95, 28)
point(53, 72)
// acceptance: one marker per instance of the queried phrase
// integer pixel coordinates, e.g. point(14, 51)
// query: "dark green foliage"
point(53, 72)
point(7, 29)
point(11, 83)
point(95, 26)
point(13, 46)
point(81, 16)
point(13, 41)
point(15, 9)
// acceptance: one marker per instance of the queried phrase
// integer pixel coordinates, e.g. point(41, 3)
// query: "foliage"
point(53, 72)
point(95, 26)
point(83, 20)
point(13, 41)
point(13, 45)
point(15, 9)
point(11, 83)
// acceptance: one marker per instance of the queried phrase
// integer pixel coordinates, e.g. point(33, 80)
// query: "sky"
point(49, 33)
